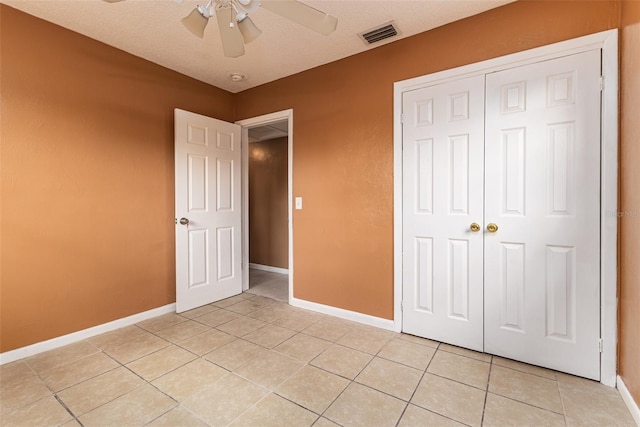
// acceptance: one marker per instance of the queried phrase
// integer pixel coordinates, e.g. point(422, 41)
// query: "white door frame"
point(246, 124)
point(608, 42)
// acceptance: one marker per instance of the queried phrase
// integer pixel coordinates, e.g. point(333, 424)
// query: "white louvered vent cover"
point(379, 33)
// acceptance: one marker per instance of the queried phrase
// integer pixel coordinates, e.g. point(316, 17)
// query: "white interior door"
point(542, 190)
point(208, 210)
point(443, 156)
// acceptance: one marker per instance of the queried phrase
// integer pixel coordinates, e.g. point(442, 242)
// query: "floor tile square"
point(270, 369)
point(588, 402)
point(189, 379)
point(61, 356)
point(15, 371)
point(417, 416)
point(460, 368)
point(298, 320)
point(182, 331)
point(312, 388)
point(484, 357)
point(206, 341)
point(526, 388)
point(500, 411)
point(80, 370)
point(451, 399)
point(367, 341)
point(235, 354)
point(136, 408)
point(303, 347)
point(329, 329)
point(249, 305)
point(230, 301)
point(199, 311)
point(225, 401)
point(133, 350)
point(161, 322)
point(271, 312)
point(405, 352)
point(178, 417)
point(44, 412)
point(269, 336)
point(16, 394)
point(524, 367)
point(362, 406)
point(241, 326)
point(343, 361)
point(90, 394)
point(159, 363)
point(117, 337)
point(390, 377)
point(418, 340)
point(274, 411)
point(324, 422)
point(217, 318)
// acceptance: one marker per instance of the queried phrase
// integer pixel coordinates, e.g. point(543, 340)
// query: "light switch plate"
point(298, 203)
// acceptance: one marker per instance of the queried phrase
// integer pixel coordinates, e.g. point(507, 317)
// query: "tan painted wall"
point(629, 365)
point(87, 179)
point(268, 203)
point(343, 122)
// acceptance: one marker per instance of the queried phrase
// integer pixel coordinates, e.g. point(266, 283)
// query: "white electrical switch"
point(298, 203)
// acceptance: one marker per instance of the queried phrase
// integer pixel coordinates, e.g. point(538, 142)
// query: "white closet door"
point(542, 190)
point(443, 156)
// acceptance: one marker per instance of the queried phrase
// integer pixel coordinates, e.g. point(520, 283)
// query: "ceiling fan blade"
point(307, 16)
point(232, 43)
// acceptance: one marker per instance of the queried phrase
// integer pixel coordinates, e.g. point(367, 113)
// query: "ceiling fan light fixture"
point(248, 28)
point(197, 21)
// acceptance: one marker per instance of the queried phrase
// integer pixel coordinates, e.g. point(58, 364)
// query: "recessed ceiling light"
point(237, 77)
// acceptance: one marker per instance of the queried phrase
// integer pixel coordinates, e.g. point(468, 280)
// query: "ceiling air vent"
point(380, 33)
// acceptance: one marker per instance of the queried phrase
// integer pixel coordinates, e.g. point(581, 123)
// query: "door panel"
point(542, 189)
point(207, 179)
point(442, 154)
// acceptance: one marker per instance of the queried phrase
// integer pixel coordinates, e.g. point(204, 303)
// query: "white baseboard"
point(629, 401)
point(354, 316)
point(269, 268)
point(30, 350)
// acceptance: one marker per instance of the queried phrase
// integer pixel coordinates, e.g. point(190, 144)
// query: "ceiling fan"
point(236, 28)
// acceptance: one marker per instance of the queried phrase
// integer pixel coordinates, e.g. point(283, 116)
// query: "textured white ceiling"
point(151, 29)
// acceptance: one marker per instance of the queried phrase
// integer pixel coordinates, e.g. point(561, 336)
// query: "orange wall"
point(630, 198)
point(87, 219)
point(268, 203)
point(343, 143)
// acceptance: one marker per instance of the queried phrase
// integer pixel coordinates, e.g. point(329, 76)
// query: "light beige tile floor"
point(268, 284)
point(253, 361)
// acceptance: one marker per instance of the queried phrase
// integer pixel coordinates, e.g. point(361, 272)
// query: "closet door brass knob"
point(184, 221)
point(492, 228)
point(475, 227)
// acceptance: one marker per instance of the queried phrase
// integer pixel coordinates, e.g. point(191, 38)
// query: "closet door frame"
point(607, 41)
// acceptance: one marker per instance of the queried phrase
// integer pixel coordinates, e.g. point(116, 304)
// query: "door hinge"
point(401, 305)
point(601, 83)
point(600, 345)
point(402, 118)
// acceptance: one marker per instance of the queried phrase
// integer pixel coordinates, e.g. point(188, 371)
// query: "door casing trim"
point(608, 42)
point(244, 137)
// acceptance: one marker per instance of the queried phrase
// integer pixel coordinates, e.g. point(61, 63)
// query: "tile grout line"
point(486, 394)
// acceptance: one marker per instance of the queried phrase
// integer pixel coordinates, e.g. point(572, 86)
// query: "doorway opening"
point(267, 208)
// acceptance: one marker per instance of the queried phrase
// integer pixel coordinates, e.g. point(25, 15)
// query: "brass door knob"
point(492, 228)
point(184, 221)
point(475, 227)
